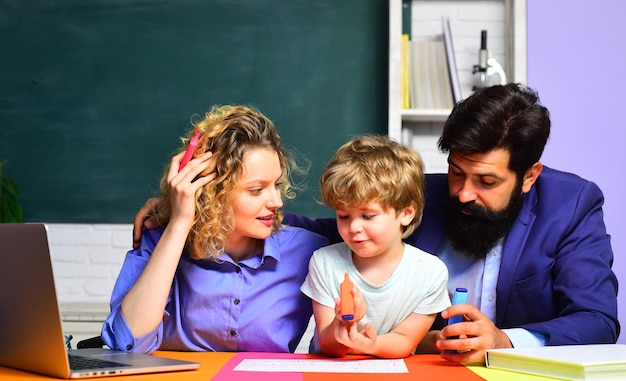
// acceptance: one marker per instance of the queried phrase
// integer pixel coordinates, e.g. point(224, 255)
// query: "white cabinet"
point(505, 22)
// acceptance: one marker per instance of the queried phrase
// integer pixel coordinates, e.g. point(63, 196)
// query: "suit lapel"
point(512, 252)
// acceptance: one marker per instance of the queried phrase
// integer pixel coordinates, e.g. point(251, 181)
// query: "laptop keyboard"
point(80, 363)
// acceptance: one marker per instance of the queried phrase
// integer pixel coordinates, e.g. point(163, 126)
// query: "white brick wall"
point(423, 138)
point(86, 259)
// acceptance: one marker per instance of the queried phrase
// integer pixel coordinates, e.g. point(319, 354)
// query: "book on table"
point(571, 362)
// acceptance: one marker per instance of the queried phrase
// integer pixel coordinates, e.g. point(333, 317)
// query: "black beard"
point(474, 235)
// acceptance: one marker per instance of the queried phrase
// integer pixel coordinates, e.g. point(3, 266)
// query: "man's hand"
point(146, 217)
point(476, 334)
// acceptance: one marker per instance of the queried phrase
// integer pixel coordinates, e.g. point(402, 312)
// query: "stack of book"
point(429, 74)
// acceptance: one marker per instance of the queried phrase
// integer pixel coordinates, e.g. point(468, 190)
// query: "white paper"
point(322, 366)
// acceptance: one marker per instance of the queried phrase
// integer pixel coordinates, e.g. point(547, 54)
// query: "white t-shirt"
point(419, 285)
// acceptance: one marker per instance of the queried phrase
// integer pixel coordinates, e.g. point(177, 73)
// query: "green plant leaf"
point(10, 207)
point(9, 186)
point(14, 210)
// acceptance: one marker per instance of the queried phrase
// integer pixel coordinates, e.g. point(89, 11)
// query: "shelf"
point(425, 115)
point(506, 21)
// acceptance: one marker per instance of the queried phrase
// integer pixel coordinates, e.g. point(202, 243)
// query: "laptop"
point(31, 335)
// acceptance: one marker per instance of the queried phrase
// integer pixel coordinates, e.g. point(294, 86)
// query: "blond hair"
point(228, 132)
point(375, 168)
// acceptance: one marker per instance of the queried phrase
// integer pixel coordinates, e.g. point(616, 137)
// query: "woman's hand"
point(184, 185)
point(148, 215)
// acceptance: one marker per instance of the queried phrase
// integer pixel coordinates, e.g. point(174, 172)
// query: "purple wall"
point(577, 62)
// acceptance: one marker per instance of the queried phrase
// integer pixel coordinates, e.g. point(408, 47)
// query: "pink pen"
point(191, 148)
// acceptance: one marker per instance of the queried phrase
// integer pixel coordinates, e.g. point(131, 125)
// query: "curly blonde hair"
point(228, 132)
point(375, 168)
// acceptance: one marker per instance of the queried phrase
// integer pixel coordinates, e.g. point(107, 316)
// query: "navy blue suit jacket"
point(555, 275)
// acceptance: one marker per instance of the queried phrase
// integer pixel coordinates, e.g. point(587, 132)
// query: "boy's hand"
point(359, 342)
point(360, 307)
point(346, 331)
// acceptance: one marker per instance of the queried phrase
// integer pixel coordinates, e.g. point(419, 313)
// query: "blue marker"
point(459, 297)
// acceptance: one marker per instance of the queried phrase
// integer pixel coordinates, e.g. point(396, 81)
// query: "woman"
point(223, 274)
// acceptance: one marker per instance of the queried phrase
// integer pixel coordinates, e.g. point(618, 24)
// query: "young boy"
point(376, 187)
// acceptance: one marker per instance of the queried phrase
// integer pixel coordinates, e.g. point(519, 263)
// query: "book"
point(420, 74)
point(442, 87)
point(405, 74)
point(571, 362)
point(455, 82)
point(429, 74)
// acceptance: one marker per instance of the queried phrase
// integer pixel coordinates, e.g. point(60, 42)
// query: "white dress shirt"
point(480, 278)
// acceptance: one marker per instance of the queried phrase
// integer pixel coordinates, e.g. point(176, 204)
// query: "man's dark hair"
point(506, 117)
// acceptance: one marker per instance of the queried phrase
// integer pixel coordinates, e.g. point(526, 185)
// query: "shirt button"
point(129, 347)
point(491, 298)
point(233, 332)
point(237, 270)
point(236, 301)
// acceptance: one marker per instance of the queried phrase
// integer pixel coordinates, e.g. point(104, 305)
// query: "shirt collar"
point(270, 249)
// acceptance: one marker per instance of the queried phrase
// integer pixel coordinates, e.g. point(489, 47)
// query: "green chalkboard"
point(94, 94)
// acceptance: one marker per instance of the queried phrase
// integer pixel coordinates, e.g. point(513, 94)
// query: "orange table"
point(218, 366)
